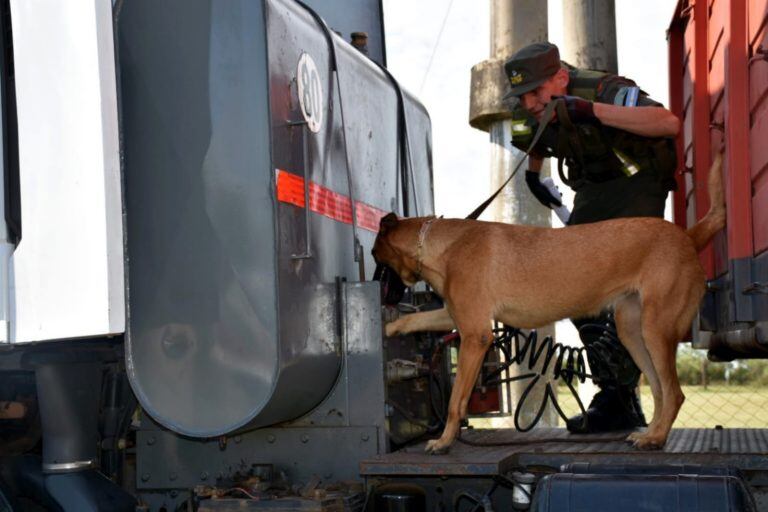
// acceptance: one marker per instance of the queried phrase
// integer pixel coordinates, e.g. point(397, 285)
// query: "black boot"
point(616, 406)
point(611, 409)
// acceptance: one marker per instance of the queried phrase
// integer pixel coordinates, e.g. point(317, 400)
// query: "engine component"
point(399, 498)
point(401, 369)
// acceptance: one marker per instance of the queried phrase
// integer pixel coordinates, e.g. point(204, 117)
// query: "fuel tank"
point(252, 161)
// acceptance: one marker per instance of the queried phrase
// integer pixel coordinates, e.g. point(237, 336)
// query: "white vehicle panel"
point(67, 278)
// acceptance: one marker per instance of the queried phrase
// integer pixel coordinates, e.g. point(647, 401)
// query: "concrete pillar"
point(589, 28)
point(514, 24)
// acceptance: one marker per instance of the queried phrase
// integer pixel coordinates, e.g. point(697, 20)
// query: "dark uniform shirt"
point(618, 174)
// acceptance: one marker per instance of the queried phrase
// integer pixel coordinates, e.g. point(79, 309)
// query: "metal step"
point(743, 448)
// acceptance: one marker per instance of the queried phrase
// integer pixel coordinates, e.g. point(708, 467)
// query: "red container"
point(485, 400)
point(718, 65)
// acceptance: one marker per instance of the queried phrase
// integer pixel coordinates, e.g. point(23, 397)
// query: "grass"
point(729, 406)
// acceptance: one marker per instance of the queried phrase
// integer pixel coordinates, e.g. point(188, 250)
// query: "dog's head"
point(385, 250)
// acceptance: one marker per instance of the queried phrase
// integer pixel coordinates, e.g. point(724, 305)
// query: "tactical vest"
point(595, 153)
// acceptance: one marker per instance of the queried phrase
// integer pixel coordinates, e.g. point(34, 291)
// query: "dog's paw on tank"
point(394, 328)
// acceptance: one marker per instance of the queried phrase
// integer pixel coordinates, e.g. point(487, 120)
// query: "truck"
point(191, 191)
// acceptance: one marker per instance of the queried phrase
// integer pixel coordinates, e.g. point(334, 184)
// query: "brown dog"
point(646, 269)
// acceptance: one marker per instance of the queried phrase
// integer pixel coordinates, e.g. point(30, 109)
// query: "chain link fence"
point(732, 395)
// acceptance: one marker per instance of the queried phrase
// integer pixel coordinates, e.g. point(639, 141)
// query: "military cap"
point(530, 67)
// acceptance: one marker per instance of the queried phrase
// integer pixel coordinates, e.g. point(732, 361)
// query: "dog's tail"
point(703, 231)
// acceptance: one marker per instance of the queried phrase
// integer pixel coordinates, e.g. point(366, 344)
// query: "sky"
point(461, 153)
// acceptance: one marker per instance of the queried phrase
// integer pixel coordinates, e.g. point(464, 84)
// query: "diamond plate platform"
point(746, 449)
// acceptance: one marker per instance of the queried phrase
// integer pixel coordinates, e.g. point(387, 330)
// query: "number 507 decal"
point(310, 92)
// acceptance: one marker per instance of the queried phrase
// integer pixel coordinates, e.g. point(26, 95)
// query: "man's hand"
point(579, 109)
point(541, 192)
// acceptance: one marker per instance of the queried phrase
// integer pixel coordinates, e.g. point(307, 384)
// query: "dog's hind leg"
point(659, 336)
point(628, 315)
point(437, 320)
point(665, 322)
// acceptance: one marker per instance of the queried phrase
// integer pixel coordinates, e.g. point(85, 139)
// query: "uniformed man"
point(617, 144)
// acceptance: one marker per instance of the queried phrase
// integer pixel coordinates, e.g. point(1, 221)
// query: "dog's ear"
point(387, 222)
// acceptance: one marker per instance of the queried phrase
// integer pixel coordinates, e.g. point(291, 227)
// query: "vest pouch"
point(522, 133)
point(664, 155)
point(600, 162)
point(592, 142)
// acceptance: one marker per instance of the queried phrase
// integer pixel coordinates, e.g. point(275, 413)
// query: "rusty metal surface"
point(169, 461)
point(282, 505)
point(743, 448)
point(338, 499)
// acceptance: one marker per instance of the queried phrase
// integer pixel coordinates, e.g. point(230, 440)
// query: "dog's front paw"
point(437, 447)
point(393, 328)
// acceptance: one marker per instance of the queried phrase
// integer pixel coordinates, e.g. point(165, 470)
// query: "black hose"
point(404, 146)
point(334, 72)
point(558, 362)
point(406, 164)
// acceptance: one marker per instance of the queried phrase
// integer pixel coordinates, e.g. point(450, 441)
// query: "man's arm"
point(645, 121)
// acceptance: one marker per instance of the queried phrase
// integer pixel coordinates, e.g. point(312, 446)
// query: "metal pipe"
point(68, 394)
point(739, 343)
point(514, 24)
point(589, 27)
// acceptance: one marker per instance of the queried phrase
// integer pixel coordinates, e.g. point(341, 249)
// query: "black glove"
point(579, 109)
point(541, 192)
